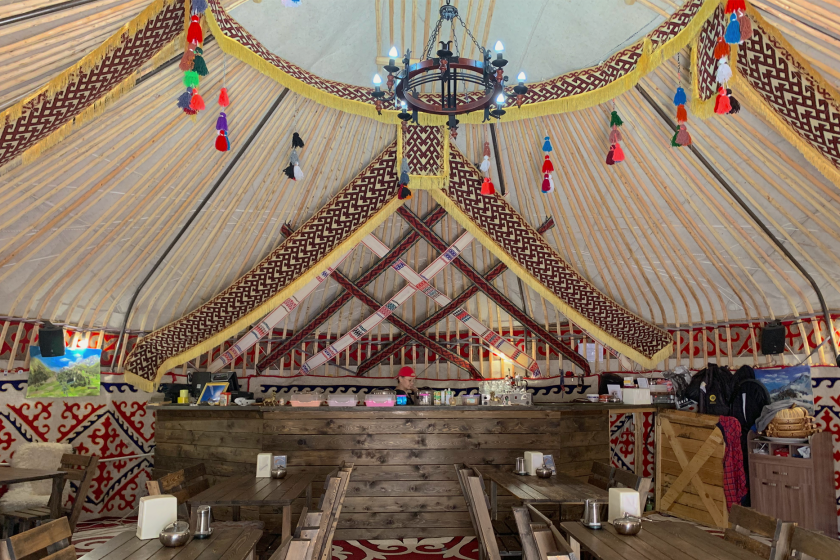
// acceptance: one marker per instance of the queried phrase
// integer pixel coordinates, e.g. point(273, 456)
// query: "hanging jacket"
point(712, 388)
point(749, 397)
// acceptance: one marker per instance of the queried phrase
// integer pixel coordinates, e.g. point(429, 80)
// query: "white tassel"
point(724, 72)
point(550, 183)
point(485, 165)
point(298, 173)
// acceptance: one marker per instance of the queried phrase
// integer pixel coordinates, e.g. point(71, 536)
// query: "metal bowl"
point(278, 472)
point(543, 472)
point(627, 525)
point(175, 534)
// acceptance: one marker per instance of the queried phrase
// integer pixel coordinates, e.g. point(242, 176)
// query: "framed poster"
point(212, 393)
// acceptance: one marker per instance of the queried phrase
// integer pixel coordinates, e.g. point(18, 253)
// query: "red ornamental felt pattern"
point(115, 424)
point(423, 146)
point(363, 197)
point(518, 239)
point(795, 96)
point(706, 64)
point(565, 85)
point(44, 114)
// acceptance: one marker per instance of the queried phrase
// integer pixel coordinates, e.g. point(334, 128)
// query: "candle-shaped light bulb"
point(499, 48)
point(377, 81)
point(404, 105)
point(393, 53)
point(500, 100)
point(521, 78)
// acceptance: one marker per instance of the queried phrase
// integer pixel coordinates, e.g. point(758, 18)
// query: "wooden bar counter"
point(404, 483)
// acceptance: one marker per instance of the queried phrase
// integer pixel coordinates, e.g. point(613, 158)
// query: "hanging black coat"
point(712, 388)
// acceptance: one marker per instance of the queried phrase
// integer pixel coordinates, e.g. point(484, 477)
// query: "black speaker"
point(773, 338)
point(51, 340)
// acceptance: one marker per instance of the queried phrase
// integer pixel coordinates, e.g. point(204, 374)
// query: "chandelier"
point(459, 85)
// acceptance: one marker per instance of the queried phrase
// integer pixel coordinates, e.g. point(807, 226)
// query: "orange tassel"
point(187, 60)
point(196, 102)
point(618, 153)
point(223, 98)
point(721, 49)
point(682, 115)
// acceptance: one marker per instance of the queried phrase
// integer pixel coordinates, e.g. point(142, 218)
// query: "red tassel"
point(194, 34)
point(734, 5)
point(546, 184)
point(682, 115)
point(548, 167)
point(196, 102)
point(611, 156)
point(618, 154)
point(487, 187)
point(722, 105)
point(190, 111)
point(223, 98)
point(615, 135)
point(721, 49)
point(221, 142)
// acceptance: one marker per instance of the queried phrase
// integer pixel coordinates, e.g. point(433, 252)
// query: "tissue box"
point(623, 500)
point(533, 461)
point(264, 465)
point(156, 512)
point(636, 396)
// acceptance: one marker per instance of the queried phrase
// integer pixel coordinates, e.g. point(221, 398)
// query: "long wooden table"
point(657, 541)
point(246, 490)
point(13, 475)
point(559, 489)
point(228, 543)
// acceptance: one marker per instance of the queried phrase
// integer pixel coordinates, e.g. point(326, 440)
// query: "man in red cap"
point(405, 383)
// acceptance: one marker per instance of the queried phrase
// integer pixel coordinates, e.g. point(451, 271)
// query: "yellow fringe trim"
point(701, 108)
point(602, 336)
point(648, 61)
point(264, 309)
point(426, 182)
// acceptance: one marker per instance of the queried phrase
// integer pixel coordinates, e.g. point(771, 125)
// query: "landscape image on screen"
point(75, 374)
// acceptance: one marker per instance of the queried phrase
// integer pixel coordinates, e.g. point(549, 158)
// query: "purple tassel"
point(221, 122)
point(184, 99)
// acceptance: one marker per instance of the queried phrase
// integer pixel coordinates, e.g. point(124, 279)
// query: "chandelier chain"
point(481, 49)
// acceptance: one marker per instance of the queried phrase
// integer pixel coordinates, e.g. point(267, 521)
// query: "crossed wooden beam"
point(421, 228)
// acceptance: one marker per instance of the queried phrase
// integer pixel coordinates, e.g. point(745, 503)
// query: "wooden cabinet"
point(795, 488)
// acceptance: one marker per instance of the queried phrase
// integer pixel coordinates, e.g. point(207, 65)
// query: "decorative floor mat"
point(459, 548)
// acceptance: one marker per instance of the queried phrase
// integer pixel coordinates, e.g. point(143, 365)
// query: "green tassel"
point(674, 140)
point(199, 65)
point(615, 120)
point(191, 79)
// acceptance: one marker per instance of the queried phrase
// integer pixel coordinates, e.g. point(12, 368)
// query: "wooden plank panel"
point(402, 504)
point(234, 439)
point(455, 414)
point(404, 488)
point(403, 532)
point(384, 520)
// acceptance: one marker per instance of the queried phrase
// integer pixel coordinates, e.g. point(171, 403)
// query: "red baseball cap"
point(406, 372)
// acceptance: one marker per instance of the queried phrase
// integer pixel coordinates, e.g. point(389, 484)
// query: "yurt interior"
point(419, 279)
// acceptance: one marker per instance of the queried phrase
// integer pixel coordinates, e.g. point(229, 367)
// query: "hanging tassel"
point(735, 5)
point(198, 6)
point(550, 185)
point(227, 139)
point(674, 138)
point(611, 155)
point(547, 167)
point(221, 122)
point(722, 104)
point(682, 114)
point(187, 60)
point(223, 98)
point(405, 170)
point(547, 145)
point(733, 31)
point(618, 154)
point(487, 187)
point(221, 142)
point(196, 102)
point(298, 172)
point(404, 193)
point(194, 34)
point(746, 25)
point(734, 103)
point(290, 172)
point(199, 65)
point(546, 183)
point(721, 49)
point(679, 97)
point(485, 165)
point(184, 99)
point(615, 135)
point(190, 79)
point(297, 141)
point(724, 72)
point(295, 164)
point(190, 111)
point(615, 120)
point(683, 138)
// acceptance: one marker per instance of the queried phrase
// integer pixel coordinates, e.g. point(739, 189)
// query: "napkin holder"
point(624, 500)
point(264, 463)
point(156, 512)
point(533, 461)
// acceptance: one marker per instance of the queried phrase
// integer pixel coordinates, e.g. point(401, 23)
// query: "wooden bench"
point(745, 521)
point(313, 536)
point(478, 505)
point(808, 545)
point(540, 538)
point(49, 541)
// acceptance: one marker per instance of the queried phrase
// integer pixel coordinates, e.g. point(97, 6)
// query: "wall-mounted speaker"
point(773, 338)
point(51, 340)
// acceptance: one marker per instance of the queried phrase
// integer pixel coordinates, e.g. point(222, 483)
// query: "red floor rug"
point(458, 548)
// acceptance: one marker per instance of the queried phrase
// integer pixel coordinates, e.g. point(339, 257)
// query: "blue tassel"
point(547, 145)
point(221, 122)
point(733, 31)
point(227, 139)
point(679, 97)
point(184, 99)
point(198, 6)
